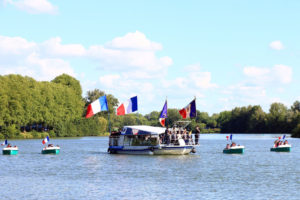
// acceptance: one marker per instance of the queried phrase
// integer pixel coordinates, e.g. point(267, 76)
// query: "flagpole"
point(167, 111)
point(109, 124)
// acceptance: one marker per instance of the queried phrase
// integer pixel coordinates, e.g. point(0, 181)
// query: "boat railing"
point(175, 139)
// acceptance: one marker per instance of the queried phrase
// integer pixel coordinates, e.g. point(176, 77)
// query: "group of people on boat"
point(279, 142)
point(9, 146)
point(233, 144)
point(173, 135)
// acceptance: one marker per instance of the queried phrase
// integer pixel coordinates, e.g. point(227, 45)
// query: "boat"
point(282, 148)
point(234, 150)
point(51, 149)
point(147, 140)
point(9, 150)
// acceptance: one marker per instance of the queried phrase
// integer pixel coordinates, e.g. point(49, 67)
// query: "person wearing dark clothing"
point(197, 134)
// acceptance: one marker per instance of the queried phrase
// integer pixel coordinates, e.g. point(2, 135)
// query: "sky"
point(227, 54)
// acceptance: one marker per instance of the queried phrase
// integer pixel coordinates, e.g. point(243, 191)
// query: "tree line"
point(34, 109)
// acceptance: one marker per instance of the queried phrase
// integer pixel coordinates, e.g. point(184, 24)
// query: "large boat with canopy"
point(150, 140)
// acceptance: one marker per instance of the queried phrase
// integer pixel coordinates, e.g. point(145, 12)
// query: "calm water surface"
point(83, 170)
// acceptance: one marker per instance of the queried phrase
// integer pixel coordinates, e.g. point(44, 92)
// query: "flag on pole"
point(231, 137)
point(128, 107)
point(164, 114)
point(46, 140)
point(97, 106)
point(4, 143)
point(283, 137)
point(189, 111)
point(227, 137)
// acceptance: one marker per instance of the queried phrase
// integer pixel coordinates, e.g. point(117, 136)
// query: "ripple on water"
point(84, 170)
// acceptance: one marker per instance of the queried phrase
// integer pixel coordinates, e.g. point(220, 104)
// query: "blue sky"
point(226, 53)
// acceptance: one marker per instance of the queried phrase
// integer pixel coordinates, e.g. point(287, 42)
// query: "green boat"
point(10, 151)
point(51, 150)
point(282, 148)
point(234, 150)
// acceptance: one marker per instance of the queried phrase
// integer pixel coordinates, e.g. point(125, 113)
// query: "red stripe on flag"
point(89, 112)
point(182, 112)
point(162, 121)
point(121, 110)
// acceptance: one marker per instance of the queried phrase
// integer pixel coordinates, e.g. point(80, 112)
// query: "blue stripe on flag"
point(103, 103)
point(134, 102)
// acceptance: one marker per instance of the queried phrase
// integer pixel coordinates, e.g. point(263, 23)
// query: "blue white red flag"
point(189, 111)
point(46, 140)
point(283, 137)
point(230, 136)
point(97, 106)
point(164, 114)
point(128, 107)
point(4, 143)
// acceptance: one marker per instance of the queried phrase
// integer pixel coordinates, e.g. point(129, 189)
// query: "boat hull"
point(173, 150)
point(162, 150)
point(234, 151)
point(281, 149)
point(51, 151)
point(10, 152)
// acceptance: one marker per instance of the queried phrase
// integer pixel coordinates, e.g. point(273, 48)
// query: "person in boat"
point(190, 138)
point(173, 135)
point(197, 134)
point(285, 142)
point(166, 137)
point(276, 143)
point(8, 145)
point(185, 136)
point(233, 144)
point(227, 146)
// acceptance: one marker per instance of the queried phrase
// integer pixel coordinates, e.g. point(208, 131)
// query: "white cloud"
point(54, 47)
point(34, 6)
point(136, 40)
point(277, 45)
point(132, 54)
point(283, 73)
point(15, 46)
point(279, 74)
point(19, 56)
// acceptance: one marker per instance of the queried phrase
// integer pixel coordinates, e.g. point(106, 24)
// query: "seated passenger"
point(276, 142)
point(285, 142)
point(233, 144)
point(227, 146)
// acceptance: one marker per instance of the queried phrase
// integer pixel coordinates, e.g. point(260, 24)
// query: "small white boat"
point(10, 150)
point(50, 149)
point(146, 140)
point(234, 150)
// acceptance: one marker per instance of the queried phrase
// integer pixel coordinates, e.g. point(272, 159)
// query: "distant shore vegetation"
point(35, 109)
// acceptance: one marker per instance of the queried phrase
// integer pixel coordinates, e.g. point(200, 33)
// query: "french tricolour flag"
point(128, 107)
point(97, 106)
point(4, 143)
point(46, 140)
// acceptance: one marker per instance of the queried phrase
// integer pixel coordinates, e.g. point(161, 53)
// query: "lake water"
point(84, 170)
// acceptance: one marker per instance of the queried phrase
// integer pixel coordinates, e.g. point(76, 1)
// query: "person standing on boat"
point(197, 134)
